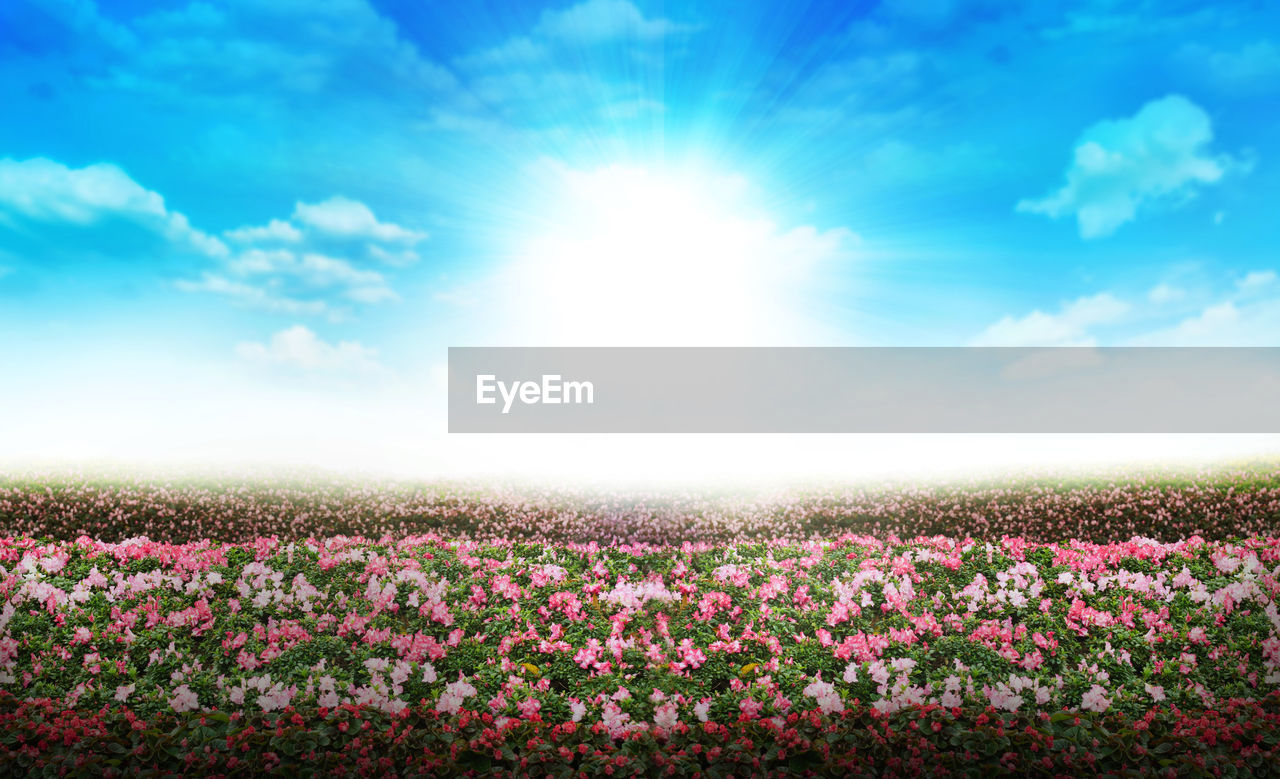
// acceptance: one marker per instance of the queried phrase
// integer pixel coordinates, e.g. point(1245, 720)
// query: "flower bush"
point(431, 653)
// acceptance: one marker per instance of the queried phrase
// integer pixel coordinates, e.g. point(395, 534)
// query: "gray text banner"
point(864, 390)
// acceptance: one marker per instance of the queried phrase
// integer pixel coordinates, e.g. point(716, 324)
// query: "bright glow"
point(625, 256)
point(196, 414)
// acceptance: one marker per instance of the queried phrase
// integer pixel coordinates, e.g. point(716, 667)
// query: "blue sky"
point(260, 207)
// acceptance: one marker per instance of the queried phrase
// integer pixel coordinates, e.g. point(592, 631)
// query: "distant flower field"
point(1164, 505)
point(397, 631)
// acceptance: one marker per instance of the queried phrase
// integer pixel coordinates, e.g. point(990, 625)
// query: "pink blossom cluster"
point(638, 637)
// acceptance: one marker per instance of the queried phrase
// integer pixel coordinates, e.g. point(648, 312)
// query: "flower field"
point(393, 630)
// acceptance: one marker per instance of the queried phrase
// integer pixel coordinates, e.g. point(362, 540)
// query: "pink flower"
point(826, 696)
point(183, 699)
point(1095, 699)
point(1001, 697)
point(543, 575)
point(665, 716)
point(455, 693)
point(690, 655)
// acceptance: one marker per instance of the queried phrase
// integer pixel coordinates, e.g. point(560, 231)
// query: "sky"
point(249, 231)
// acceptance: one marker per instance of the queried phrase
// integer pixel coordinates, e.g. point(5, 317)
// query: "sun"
point(633, 256)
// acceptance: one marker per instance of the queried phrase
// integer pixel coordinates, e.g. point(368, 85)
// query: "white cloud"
point(289, 47)
point(1255, 67)
point(1212, 319)
point(314, 269)
point(1242, 312)
point(1256, 280)
point(321, 270)
point(1068, 327)
point(258, 297)
point(398, 258)
point(311, 269)
point(340, 216)
point(87, 21)
point(1121, 166)
point(371, 294)
point(547, 90)
point(275, 230)
point(41, 190)
point(597, 21)
point(1221, 324)
point(46, 191)
point(299, 347)
point(1165, 293)
point(1246, 313)
point(540, 72)
point(49, 191)
point(259, 261)
point(1244, 316)
point(1116, 21)
point(290, 278)
point(518, 51)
